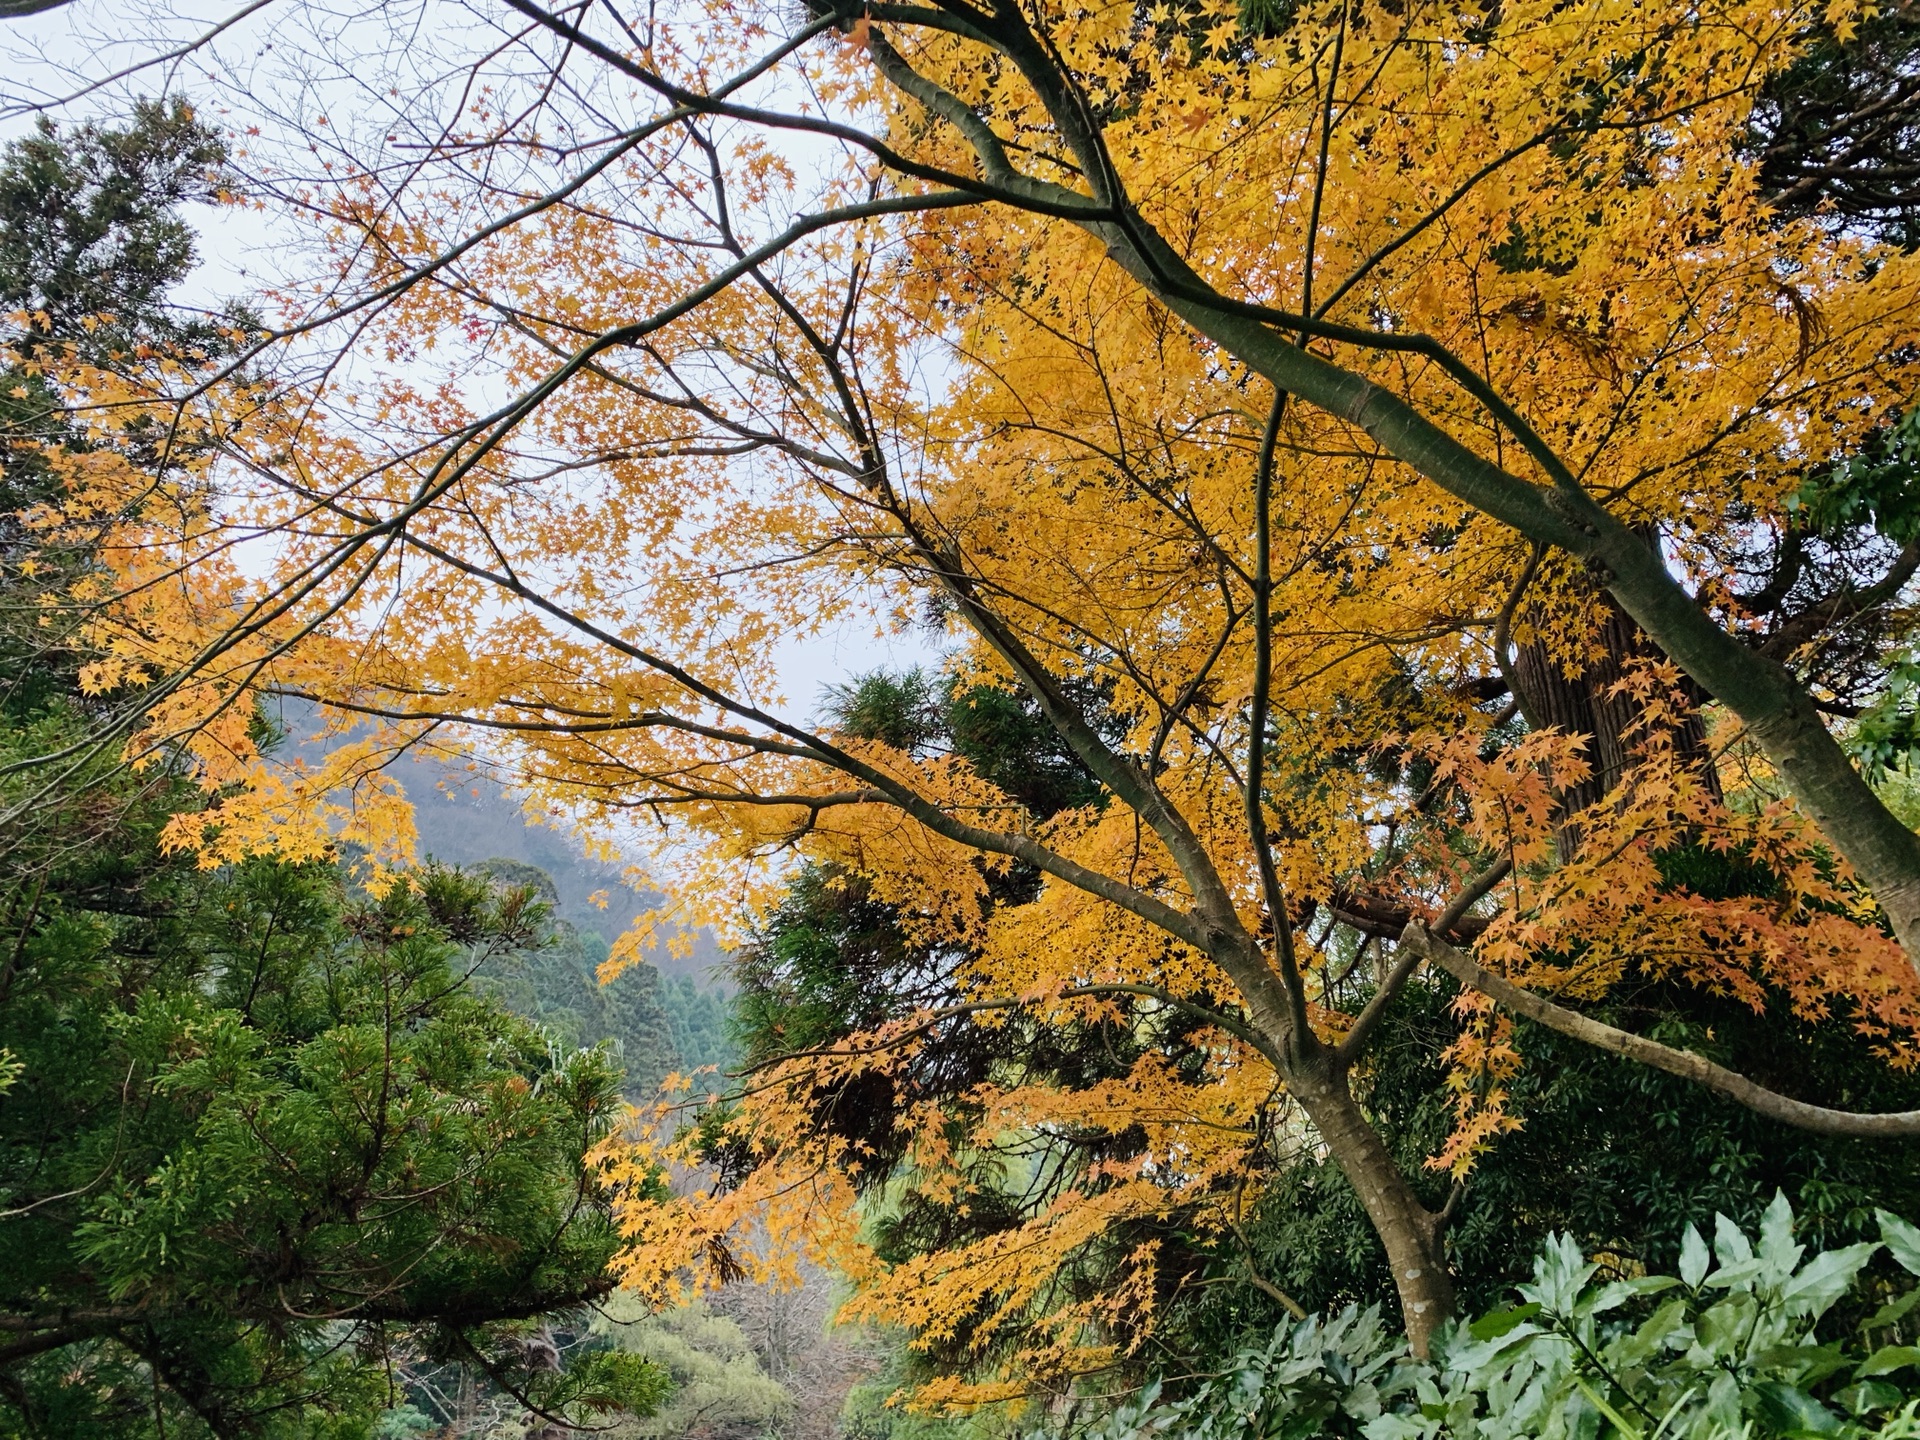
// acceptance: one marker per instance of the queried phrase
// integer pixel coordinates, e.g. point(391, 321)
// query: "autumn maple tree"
point(1417, 465)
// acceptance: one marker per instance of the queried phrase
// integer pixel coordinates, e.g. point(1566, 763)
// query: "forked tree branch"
point(1189, 928)
point(1272, 895)
point(1818, 1119)
point(1239, 1029)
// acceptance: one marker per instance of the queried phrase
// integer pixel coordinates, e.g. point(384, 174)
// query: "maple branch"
point(411, 275)
point(1191, 929)
point(1684, 1063)
point(1320, 167)
point(1239, 1029)
point(467, 449)
point(94, 742)
point(1499, 162)
point(12, 9)
point(1032, 194)
point(1175, 711)
point(1107, 766)
point(1354, 1042)
point(892, 1042)
point(1776, 709)
point(986, 145)
point(1225, 939)
point(1260, 1282)
point(1255, 789)
point(1221, 935)
point(1845, 603)
point(1124, 778)
point(1143, 252)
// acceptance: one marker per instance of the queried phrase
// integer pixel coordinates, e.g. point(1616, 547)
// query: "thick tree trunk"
point(1316, 1077)
point(1410, 1231)
point(1581, 704)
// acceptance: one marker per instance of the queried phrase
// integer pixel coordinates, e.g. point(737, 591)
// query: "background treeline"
point(655, 1024)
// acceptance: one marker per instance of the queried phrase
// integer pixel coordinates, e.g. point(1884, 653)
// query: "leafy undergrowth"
point(1743, 1344)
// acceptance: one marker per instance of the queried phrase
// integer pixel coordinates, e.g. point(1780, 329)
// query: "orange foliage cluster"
point(593, 595)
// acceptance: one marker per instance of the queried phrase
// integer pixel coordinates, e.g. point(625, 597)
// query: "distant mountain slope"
point(555, 987)
point(464, 819)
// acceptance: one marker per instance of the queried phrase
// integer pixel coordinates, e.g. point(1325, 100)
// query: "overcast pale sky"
point(91, 57)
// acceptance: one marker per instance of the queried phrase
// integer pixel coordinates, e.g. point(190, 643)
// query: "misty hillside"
point(465, 819)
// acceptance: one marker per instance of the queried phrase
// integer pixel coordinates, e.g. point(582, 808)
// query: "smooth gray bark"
point(1684, 1063)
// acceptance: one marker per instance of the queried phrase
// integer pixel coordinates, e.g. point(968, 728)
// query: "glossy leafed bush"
point(1732, 1348)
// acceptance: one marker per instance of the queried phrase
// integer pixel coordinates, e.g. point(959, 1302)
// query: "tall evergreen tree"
point(263, 1148)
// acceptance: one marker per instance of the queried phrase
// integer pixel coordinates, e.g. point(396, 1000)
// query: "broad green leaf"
point(1806, 1365)
point(1893, 1310)
point(1560, 1272)
point(1730, 1245)
point(1791, 1411)
point(1826, 1278)
point(1737, 1276)
point(1694, 1259)
point(1608, 1297)
point(1723, 1329)
point(1776, 1246)
point(1888, 1359)
point(1494, 1324)
point(1649, 1284)
point(1902, 1240)
point(1868, 1395)
point(1654, 1333)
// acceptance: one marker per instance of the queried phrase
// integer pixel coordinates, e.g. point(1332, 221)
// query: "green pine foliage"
point(265, 1152)
point(1000, 733)
point(262, 1139)
point(92, 240)
point(556, 985)
point(91, 246)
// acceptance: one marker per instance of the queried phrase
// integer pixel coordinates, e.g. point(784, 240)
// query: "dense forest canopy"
point(1411, 516)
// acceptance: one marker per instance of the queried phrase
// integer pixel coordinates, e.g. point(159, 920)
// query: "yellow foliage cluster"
point(720, 443)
